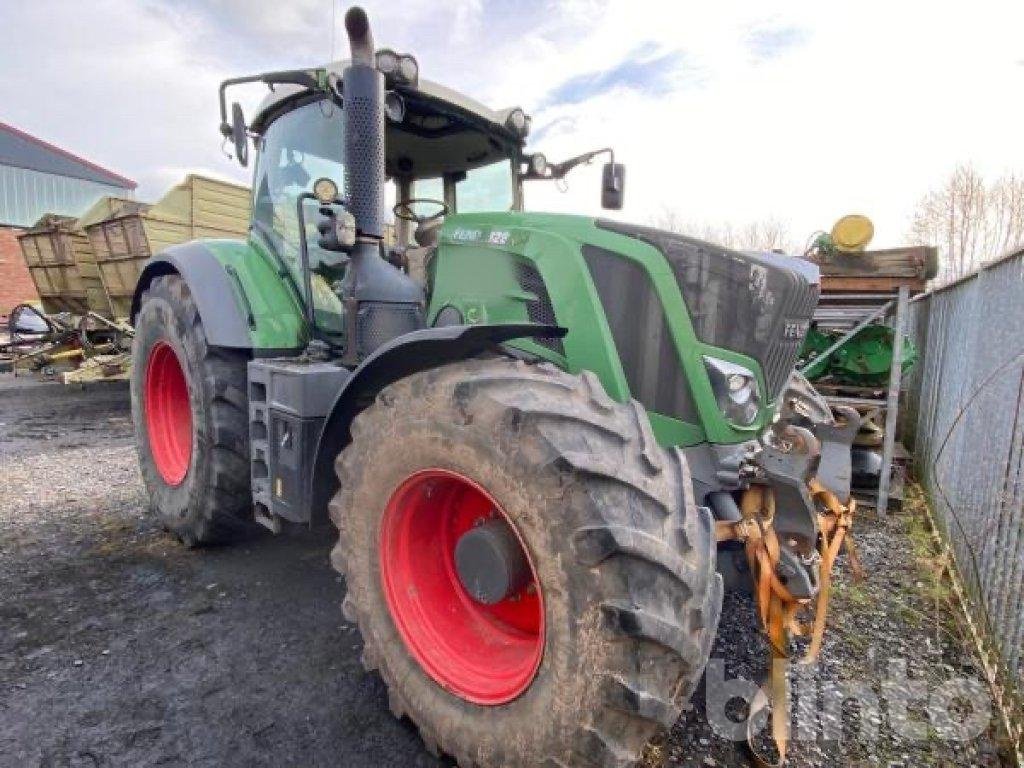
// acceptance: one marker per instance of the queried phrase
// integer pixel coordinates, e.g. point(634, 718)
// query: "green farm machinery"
point(547, 442)
point(861, 356)
point(862, 360)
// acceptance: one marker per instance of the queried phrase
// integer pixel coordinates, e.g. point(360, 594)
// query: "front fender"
point(401, 357)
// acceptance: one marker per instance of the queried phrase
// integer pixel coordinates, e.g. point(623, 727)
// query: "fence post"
point(893, 400)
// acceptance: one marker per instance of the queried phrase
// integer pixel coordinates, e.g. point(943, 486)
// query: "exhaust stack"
point(381, 302)
point(360, 39)
point(363, 113)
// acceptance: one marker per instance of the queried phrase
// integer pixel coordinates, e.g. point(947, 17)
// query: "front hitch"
point(792, 524)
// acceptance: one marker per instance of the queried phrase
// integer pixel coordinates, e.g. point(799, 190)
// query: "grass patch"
point(930, 563)
point(852, 593)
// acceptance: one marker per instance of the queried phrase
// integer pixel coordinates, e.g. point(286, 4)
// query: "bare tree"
point(970, 221)
point(760, 235)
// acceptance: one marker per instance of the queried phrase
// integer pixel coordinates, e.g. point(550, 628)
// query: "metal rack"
point(846, 307)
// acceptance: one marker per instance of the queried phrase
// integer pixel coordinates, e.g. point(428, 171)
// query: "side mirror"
point(239, 134)
point(613, 185)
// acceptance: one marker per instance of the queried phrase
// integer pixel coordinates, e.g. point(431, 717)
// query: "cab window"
point(297, 149)
point(485, 189)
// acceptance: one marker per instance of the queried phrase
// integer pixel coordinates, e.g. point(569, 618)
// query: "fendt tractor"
point(547, 442)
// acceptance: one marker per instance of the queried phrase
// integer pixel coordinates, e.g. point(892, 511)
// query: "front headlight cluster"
point(735, 389)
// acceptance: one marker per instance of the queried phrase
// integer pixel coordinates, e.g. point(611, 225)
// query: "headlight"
point(409, 69)
point(398, 68)
point(387, 61)
point(518, 121)
point(735, 389)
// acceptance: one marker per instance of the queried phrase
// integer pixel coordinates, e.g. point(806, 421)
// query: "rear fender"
point(401, 357)
point(225, 323)
point(242, 299)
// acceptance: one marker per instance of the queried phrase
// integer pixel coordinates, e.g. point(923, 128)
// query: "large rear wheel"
point(526, 565)
point(190, 410)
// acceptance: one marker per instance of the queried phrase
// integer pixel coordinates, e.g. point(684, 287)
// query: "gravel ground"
point(120, 648)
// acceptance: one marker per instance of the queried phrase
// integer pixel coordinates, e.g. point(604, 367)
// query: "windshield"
point(297, 149)
point(485, 189)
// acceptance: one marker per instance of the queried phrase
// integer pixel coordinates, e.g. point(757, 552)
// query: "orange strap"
point(835, 531)
point(777, 607)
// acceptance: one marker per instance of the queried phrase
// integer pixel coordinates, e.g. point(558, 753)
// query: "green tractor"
point(534, 433)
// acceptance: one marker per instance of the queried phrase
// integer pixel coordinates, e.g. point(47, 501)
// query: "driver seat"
point(426, 236)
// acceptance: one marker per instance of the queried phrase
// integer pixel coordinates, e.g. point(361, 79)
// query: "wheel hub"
point(490, 562)
point(460, 586)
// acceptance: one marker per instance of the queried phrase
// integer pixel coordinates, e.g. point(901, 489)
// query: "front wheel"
point(528, 569)
point(190, 408)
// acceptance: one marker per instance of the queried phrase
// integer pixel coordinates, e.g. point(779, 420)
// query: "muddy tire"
point(190, 410)
point(624, 562)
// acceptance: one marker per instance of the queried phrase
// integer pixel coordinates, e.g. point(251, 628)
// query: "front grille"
point(756, 304)
point(539, 309)
point(782, 352)
point(642, 337)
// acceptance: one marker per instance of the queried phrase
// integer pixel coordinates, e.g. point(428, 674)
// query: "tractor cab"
point(445, 153)
point(439, 147)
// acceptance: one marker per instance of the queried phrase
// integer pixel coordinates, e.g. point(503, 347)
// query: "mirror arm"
point(559, 170)
point(294, 76)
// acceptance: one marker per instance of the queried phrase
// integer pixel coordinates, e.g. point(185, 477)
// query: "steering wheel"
point(405, 212)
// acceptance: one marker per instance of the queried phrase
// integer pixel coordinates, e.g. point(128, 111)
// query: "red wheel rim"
point(485, 654)
point(168, 413)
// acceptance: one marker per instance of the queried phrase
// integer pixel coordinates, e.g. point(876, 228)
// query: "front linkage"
point(782, 564)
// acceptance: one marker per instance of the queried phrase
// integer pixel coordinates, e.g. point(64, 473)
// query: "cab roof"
point(443, 131)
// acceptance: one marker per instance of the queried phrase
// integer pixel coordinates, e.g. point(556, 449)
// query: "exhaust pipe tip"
point(360, 39)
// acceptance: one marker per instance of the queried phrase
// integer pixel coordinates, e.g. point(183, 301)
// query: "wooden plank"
point(910, 261)
point(840, 284)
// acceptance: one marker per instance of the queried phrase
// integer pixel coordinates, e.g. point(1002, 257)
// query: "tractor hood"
point(756, 305)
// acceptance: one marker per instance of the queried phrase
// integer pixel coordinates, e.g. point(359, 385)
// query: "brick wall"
point(15, 282)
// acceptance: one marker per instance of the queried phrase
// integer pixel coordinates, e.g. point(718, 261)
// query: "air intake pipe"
point(363, 94)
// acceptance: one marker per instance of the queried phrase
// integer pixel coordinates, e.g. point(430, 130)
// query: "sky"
point(722, 112)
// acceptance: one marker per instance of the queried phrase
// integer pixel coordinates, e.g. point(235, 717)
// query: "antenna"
point(334, 26)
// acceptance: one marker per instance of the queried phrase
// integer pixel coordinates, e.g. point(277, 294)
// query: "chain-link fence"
point(963, 421)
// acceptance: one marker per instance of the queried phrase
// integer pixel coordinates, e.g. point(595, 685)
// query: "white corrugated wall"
point(26, 195)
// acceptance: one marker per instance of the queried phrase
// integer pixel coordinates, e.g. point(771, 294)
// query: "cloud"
point(644, 71)
point(767, 43)
point(718, 111)
point(560, 126)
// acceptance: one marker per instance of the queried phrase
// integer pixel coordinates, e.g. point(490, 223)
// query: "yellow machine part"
point(851, 234)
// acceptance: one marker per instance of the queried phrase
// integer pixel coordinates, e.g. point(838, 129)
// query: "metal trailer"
point(62, 267)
